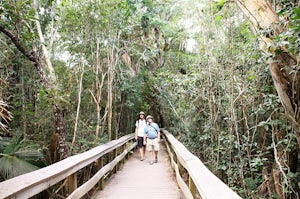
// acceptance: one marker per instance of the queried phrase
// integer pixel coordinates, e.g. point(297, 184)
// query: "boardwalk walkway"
point(140, 180)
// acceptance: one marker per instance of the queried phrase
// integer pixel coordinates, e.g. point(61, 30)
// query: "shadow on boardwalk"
point(140, 180)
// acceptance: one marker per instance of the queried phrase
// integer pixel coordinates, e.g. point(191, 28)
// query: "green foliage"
point(12, 166)
point(291, 19)
point(16, 159)
point(213, 91)
point(4, 142)
point(5, 115)
point(88, 141)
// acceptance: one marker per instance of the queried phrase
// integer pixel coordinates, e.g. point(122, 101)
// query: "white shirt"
point(140, 124)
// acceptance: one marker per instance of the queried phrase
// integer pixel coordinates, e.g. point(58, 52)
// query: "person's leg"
point(150, 150)
point(144, 152)
point(156, 159)
point(140, 145)
point(152, 157)
point(141, 153)
point(156, 149)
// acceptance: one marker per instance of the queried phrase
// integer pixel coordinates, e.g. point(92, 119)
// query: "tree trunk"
point(51, 85)
point(160, 60)
point(63, 149)
point(277, 183)
point(98, 90)
point(79, 82)
point(110, 111)
point(34, 57)
point(119, 114)
point(110, 95)
point(286, 79)
point(48, 81)
point(98, 87)
point(24, 115)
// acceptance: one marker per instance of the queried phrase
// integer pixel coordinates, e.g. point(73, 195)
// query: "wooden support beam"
point(192, 187)
point(123, 147)
point(114, 155)
point(129, 143)
point(180, 168)
point(99, 163)
point(72, 182)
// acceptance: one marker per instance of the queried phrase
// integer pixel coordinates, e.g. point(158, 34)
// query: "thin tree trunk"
point(112, 62)
point(117, 129)
point(99, 86)
point(24, 115)
point(104, 119)
point(49, 67)
point(78, 104)
point(97, 100)
point(110, 95)
point(277, 183)
point(98, 90)
point(277, 171)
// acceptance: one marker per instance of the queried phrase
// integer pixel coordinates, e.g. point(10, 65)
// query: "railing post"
point(125, 145)
point(72, 182)
point(99, 166)
point(132, 151)
point(123, 149)
point(192, 187)
point(180, 167)
point(115, 154)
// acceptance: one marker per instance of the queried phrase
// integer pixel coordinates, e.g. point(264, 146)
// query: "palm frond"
point(34, 157)
point(13, 146)
point(5, 115)
point(4, 142)
point(16, 160)
point(29, 154)
point(12, 166)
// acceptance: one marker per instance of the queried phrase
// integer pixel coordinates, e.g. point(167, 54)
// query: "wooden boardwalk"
point(140, 180)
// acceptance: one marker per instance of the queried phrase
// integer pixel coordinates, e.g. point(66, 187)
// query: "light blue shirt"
point(151, 130)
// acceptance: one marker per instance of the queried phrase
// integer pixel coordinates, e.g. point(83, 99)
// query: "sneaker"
point(142, 159)
point(155, 160)
point(151, 162)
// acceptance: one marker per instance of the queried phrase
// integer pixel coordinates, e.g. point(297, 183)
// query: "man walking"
point(152, 138)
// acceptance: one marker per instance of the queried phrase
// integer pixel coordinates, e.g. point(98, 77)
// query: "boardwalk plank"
point(140, 180)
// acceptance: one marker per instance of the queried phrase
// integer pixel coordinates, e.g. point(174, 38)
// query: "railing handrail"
point(201, 180)
point(200, 177)
point(30, 184)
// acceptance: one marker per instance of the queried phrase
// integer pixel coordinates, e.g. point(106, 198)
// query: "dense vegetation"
point(75, 74)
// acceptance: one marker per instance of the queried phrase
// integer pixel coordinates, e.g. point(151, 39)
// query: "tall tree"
point(284, 66)
point(63, 149)
point(45, 70)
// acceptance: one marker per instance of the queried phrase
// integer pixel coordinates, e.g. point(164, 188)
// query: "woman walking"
point(139, 134)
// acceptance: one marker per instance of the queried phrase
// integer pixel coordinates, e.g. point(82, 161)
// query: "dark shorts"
point(140, 142)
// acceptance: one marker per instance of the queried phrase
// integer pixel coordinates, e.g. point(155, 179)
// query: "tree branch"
point(31, 55)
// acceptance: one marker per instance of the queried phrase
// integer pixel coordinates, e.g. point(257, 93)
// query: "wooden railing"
point(193, 178)
point(30, 184)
